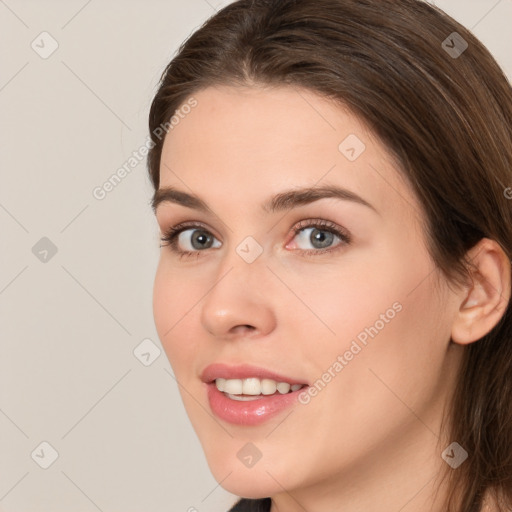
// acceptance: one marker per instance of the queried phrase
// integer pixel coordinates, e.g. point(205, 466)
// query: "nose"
point(239, 302)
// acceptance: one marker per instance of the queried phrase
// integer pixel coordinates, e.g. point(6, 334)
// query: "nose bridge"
point(239, 295)
point(244, 265)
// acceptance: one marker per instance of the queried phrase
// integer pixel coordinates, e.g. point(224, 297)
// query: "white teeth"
point(241, 398)
point(268, 387)
point(283, 387)
point(233, 386)
point(253, 386)
point(220, 384)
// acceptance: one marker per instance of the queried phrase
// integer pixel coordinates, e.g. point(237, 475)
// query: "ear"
point(486, 297)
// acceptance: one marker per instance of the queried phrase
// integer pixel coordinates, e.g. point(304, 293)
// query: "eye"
point(321, 235)
point(188, 239)
point(191, 239)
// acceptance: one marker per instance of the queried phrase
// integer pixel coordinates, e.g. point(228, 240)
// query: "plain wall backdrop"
point(80, 369)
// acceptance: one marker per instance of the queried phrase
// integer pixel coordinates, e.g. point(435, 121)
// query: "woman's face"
point(348, 308)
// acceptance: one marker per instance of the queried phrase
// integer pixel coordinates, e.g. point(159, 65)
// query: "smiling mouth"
point(254, 388)
point(248, 395)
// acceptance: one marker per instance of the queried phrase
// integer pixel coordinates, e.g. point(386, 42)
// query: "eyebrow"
point(282, 201)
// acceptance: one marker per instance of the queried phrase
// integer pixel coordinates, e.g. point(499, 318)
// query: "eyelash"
point(171, 235)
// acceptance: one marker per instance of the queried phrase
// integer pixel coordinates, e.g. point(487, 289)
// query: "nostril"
point(243, 328)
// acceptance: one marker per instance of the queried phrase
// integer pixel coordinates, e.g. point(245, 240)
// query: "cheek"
point(368, 396)
point(173, 300)
point(402, 349)
point(344, 301)
point(383, 315)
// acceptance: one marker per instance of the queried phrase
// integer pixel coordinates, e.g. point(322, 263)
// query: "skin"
point(372, 438)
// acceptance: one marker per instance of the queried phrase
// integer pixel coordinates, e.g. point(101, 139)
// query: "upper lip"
point(244, 371)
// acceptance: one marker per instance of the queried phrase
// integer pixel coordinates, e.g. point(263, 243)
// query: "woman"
point(332, 186)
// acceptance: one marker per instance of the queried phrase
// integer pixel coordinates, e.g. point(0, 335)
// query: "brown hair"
point(447, 120)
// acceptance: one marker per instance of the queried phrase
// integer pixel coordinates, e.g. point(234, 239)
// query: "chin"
point(250, 485)
point(247, 482)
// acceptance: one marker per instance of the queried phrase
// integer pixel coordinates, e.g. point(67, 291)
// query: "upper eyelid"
point(183, 226)
point(304, 223)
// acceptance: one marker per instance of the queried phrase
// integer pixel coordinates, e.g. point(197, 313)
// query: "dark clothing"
point(246, 505)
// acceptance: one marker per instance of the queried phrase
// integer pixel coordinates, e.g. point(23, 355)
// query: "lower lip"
point(253, 412)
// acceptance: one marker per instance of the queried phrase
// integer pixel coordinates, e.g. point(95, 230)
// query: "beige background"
point(69, 325)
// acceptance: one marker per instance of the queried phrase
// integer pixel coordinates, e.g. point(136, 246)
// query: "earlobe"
point(485, 299)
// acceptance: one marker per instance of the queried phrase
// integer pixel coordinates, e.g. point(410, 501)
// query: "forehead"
point(253, 141)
